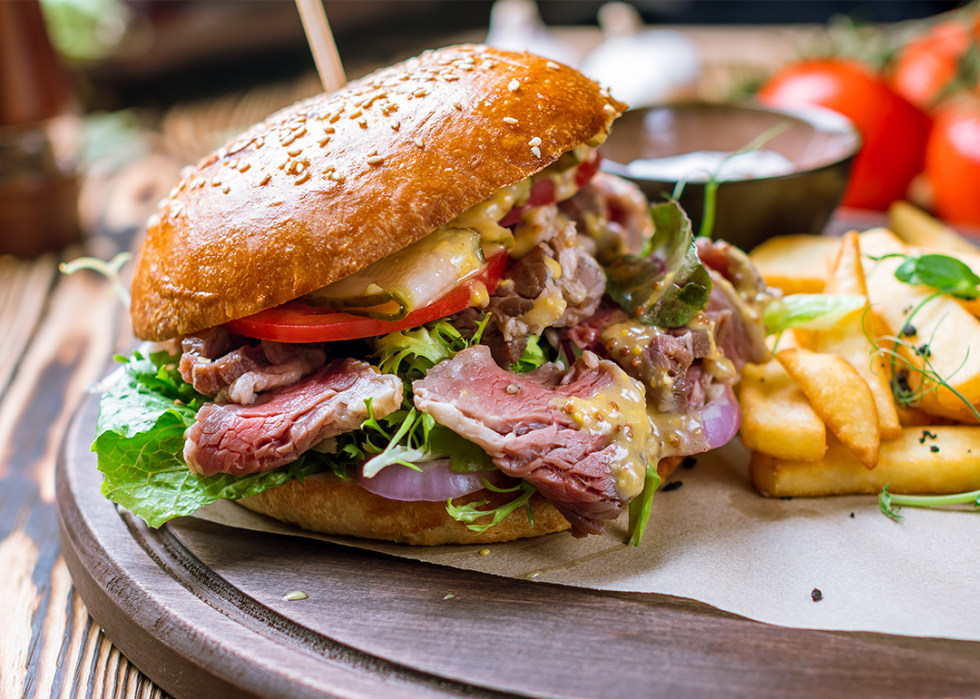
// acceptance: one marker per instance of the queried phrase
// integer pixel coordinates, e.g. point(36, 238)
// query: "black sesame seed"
point(934, 449)
point(909, 331)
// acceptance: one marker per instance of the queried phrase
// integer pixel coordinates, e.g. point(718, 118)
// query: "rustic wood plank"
point(61, 333)
point(24, 286)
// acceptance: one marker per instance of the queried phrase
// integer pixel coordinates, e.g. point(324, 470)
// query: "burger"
point(416, 310)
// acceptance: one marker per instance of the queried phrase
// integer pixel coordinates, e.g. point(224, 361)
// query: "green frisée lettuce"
point(140, 439)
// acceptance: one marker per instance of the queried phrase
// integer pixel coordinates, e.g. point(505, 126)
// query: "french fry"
point(797, 264)
point(850, 338)
point(915, 463)
point(840, 397)
point(919, 229)
point(777, 418)
point(950, 332)
point(913, 417)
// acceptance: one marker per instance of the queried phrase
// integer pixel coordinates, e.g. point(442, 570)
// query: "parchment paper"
point(715, 540)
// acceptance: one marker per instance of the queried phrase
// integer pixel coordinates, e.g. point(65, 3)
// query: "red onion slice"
point(436, 483)
point(721, 419)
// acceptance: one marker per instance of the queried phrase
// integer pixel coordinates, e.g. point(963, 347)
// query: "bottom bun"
point(329, 505)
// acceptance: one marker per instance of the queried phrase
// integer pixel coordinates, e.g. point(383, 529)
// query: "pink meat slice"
point(517, 420)
point(283, 423)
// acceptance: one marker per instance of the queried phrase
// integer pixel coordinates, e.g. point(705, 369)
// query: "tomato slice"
point(299, 322)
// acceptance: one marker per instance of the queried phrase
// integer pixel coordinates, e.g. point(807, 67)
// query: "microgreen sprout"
point(110, 270)
point(890, 503)
point(711, 186)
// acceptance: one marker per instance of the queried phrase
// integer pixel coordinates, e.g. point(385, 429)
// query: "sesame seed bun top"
point(327, 186)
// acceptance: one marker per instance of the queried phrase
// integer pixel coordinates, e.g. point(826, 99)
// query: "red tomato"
point(926, 67)
point(894, 131)
point(953, 160)
point(298, 322)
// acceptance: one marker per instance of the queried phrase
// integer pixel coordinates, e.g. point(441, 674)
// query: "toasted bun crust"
point(323, 188)
point(329, 505)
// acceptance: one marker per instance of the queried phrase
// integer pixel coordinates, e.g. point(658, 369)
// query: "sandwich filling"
point(555, 338)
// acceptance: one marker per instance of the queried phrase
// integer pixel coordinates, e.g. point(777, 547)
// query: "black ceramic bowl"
point(820, 146)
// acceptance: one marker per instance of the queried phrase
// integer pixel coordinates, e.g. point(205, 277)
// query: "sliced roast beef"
point(737, 301)
point(573, 434)
point(218, 363)
point(612, 212)
point(557, 283)
point(739, 330)
point(283, 423)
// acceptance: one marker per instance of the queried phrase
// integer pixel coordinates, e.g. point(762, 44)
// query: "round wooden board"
point(198, 608)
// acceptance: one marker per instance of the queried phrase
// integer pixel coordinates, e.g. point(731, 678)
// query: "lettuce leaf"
point(140, 439)
point(667, 285)
point(810, 311)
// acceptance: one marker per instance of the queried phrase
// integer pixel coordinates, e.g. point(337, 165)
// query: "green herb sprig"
point(890, 503)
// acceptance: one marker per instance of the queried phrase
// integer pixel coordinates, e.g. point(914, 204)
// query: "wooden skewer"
point(324, 49)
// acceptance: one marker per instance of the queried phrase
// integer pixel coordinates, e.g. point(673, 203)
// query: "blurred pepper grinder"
point(39, 135)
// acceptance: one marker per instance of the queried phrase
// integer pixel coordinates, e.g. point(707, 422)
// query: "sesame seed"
point(395, 124)
point(510, 120)
point(452, 78)
point(458, 104)
point(244, 167)
point(356, 114)
point(374, 159)
point(552, 65)
point(226, 189)
point(324, 141)
point(265, 180)
point(609, 108)
point(536, 151)
point(329, 129)
point(513, 85)
point(534, 141)
point(215, 182)
point(294, 152)
point(362, 123)
point(328, 168)
point(420, 92)
point(302, 178)
point(260, 141)
point(419, 142)
point(373, 151)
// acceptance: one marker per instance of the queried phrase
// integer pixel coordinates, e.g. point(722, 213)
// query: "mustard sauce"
point(619, 413)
